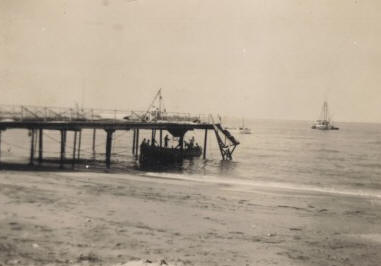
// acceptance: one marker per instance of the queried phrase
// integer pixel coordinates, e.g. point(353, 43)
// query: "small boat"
point(324, 123)
point(243, 129)
point(155, 155)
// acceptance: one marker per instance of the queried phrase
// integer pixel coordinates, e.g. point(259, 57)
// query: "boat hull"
point(324, 127)
point(154, 155)
point(245, 131)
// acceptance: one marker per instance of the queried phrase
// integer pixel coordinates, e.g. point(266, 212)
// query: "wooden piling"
point(40, 146)
point(153, 139)
point(94, 137)
point(31, 146)
point(205, 143)
point(63, 147)
point(161, 138)
point(74, 149)
point(137, 144)
point(0, 144)
point(108, 147)
point(79, 145)
point(35, 142)
point(134, 142)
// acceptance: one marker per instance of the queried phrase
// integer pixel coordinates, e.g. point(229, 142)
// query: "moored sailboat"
point(243, 129)
point(324, 123)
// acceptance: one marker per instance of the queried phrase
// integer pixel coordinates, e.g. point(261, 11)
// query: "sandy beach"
point(84, 218)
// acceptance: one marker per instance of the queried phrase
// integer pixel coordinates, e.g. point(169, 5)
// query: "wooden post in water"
point(134, 142)
point(205, 143)
point(31, 147)
point(153, 139)
point(79, 145)
point(35, 142)
point(74, 148)
point(94, 136)
point(161, 138)
point(0, 144)
point(63, 147)
point(40, 146)
point(137, 144)
point(108, 147)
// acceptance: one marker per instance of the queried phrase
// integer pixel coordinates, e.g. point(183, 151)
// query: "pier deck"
point(99, 124)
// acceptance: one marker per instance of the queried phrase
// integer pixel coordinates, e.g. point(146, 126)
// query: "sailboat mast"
point(325, 111)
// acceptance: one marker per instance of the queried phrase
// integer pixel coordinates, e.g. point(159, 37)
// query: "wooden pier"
point(175, 124)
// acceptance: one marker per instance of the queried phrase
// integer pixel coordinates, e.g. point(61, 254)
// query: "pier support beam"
point(32, 139)
point(108, 147)
point(134, 142)
point(1, 131)
point(0, 145)
point(205, 143)
point(63, 147)
point(94, 137)
point(153, 137)
point(137, 144)
point(79, 145)
point(74, 149)
point(40, 146)
point(35, 142)
point(161, 138)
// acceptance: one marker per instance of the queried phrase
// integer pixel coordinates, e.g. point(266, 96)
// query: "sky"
point(276, 59)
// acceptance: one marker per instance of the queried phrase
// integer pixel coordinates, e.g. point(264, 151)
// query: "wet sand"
point(82, 218)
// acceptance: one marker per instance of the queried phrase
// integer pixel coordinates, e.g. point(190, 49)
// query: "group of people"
point(146, 142)
point(191, 144)
point(188, 145)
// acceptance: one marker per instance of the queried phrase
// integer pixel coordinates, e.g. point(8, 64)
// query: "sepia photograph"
point(190, 132)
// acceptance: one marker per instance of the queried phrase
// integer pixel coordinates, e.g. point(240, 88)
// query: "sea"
point(278, 154)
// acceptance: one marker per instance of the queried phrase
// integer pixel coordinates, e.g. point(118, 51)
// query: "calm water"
point(278, 153)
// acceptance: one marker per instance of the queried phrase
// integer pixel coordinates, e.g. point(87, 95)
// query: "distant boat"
point(243, 129)
point(324, 123)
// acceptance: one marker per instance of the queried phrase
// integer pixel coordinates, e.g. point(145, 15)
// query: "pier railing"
point(48, 113)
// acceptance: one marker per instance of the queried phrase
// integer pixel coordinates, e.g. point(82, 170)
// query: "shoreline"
point(82, 218)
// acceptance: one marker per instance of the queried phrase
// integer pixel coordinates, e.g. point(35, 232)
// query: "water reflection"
point(195, 166)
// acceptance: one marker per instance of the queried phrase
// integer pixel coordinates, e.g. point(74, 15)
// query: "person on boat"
point(181, 143)
point(153, 142)
point(166, 139)
point(186, 144)
point(143, 144)
point(191, 142)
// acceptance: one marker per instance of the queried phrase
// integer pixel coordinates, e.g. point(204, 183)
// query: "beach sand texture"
point(82, 218)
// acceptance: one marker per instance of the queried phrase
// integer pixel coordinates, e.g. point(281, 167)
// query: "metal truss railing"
point(45, 113)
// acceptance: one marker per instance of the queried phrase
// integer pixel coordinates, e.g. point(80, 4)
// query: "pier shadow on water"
point(195, 166)
point(187, 166)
